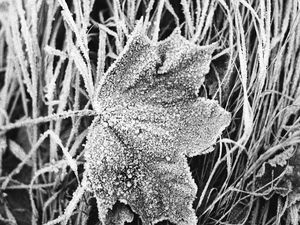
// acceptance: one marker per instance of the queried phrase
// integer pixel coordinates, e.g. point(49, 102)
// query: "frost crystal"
point(150, 120)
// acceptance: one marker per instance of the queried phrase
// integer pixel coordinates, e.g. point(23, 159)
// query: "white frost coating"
point(151, 119)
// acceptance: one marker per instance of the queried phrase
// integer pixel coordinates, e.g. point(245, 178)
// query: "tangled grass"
point(54, 53)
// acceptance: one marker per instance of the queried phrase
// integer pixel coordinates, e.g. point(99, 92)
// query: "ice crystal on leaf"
point(150, 120)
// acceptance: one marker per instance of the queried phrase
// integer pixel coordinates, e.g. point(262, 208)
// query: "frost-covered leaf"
point(282, 158)
point(293, 174)
point(150, 120)
point(273, 174)
point(293, 177)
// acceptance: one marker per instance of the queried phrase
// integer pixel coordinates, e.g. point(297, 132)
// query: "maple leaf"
point(150, 120)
